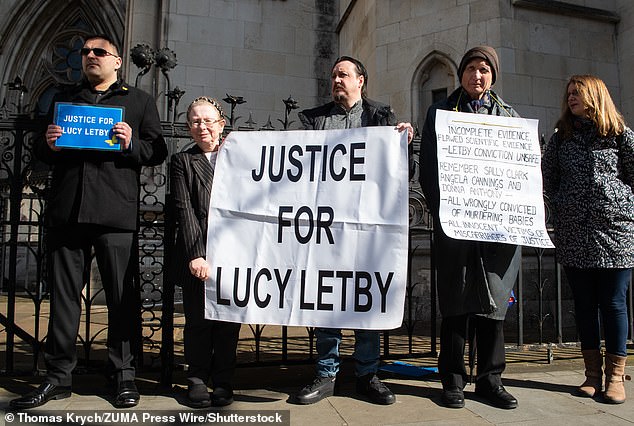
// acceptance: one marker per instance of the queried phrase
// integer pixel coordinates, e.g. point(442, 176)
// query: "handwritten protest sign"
point(490, 179)
point(87, 126)
point(310, 228)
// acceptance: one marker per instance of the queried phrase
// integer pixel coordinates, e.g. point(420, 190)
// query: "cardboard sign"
point(310, 228)
point(87, 126)
point(490, 179)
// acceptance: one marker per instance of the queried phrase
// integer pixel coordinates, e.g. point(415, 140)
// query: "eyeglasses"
point(98, 51)
point(207, 122)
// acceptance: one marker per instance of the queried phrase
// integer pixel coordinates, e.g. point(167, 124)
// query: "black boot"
point(222, 395)
point(198, 396)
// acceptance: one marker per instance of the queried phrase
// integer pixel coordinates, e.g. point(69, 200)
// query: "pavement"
point(545, 391)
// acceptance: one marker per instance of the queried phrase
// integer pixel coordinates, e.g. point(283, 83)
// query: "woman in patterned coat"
point(588, 170)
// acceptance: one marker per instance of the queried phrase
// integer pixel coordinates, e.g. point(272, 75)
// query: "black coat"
point(191, 178)
point(98, 187)
point(473, 277)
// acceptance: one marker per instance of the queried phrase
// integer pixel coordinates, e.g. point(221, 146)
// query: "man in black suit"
point(94, 203)
point(210, 346)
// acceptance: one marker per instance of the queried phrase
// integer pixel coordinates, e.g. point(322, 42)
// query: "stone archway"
point(40, 42)
point(434, 79)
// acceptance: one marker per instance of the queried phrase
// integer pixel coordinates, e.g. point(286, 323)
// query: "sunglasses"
point(98, 51)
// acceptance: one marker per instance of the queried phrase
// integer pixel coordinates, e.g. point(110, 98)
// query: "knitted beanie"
point(483, 52)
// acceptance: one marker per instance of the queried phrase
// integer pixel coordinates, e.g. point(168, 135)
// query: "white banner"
point(310, 228)
point(489, 174)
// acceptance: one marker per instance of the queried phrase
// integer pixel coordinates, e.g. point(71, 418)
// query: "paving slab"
point(545, 393)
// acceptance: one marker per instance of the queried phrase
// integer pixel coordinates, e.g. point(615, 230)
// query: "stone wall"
point(542, 49)
point(266, 50)
point(625, 45)
point(538, 48)
point(263, 51)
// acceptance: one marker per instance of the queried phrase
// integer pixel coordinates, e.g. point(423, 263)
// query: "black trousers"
point(210, 346)
point(70, 250)
point(489, 338)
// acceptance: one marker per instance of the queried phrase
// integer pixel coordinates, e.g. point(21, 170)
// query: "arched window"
point(45, 38)
point(434, 79)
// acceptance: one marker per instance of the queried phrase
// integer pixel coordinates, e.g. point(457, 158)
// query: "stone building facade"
point(266, 50)
point(413, 48)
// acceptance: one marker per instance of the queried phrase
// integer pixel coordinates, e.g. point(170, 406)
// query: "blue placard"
point(87, 126)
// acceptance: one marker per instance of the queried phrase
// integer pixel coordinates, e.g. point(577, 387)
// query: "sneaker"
point(370, 386)
point(320, 388)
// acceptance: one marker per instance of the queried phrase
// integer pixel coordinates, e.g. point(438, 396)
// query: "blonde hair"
point(598, 105)
point(205, 100)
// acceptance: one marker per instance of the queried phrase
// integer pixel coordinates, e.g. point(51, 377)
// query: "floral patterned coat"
point(589, 180)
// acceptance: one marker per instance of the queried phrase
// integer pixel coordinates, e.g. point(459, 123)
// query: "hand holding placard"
point(490, 179)
point(89, 127)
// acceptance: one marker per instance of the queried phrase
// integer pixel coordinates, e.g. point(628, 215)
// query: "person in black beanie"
point(474, 278)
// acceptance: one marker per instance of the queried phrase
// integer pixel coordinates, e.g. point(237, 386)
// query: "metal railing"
point(541, 317)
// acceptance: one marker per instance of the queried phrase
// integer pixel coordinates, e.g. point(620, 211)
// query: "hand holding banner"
point(310, 228)
point(87, 126)
point(490, 179)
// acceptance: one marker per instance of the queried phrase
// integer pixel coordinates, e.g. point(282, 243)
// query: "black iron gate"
point(541, 316)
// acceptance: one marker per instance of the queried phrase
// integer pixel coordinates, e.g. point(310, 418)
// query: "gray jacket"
point(374, 114)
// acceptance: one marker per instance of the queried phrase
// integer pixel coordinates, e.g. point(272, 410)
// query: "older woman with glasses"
point(210, 346)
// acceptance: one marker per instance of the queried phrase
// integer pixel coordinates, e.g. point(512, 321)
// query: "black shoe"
point(453, 397)
point(222, 395)
point(370, 386)
point(198, 396)
point(320, 388)
point(127, 395)
point(498, 397)
point(44, 393)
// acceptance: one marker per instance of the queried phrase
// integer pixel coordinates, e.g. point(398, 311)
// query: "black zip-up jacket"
point(100, 187)
point(374, 114)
